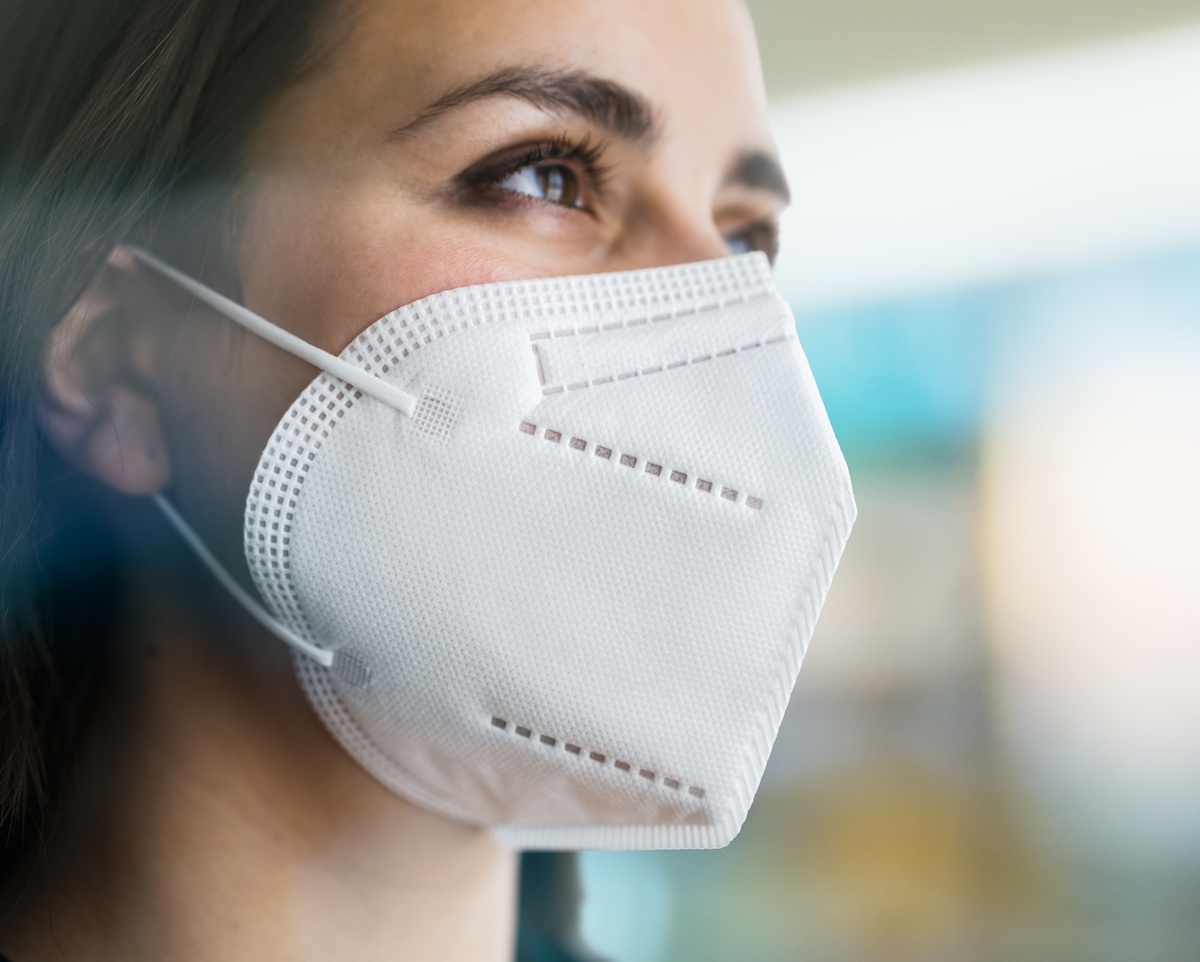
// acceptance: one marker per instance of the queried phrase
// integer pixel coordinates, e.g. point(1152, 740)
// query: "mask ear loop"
point(355, 376)
point(321, 656)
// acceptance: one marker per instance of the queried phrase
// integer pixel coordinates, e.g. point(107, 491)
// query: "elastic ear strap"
point(356, 376)
point(321, 656)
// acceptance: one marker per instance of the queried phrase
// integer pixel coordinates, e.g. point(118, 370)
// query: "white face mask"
point(553, 549)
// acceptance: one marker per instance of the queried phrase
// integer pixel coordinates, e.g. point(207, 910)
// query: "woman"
point(166, 789)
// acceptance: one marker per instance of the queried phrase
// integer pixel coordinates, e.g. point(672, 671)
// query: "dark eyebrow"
point(760, 171)
point(623, 112)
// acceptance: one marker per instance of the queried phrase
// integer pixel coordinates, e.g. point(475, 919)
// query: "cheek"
point(327, 265)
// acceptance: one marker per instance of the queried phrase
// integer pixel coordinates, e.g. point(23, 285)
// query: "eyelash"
point(762, 236)
point(488, 174)
point(588, 155)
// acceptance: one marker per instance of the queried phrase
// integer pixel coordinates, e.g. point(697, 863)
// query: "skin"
point(212, 817)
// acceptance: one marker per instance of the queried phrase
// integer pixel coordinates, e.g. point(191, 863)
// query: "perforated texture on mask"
point(276, 486)
point(436, 413)
point(477, 565)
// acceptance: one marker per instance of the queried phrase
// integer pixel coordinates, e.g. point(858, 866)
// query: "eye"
point(563, 172)
point(762, 236)
point(554, 183)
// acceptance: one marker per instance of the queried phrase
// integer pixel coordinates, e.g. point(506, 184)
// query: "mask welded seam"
point(601, 758)
point(657, 369)
point(650, 318)
point(652, 468)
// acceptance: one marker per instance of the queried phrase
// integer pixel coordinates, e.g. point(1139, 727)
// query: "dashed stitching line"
point(650, 318)
point(647, 371)
point(654, 469)
point(552, 741)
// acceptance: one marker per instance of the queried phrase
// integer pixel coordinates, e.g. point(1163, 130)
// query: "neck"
point(213, 817)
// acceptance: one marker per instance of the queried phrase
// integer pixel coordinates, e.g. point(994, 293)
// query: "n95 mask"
point(551, 551)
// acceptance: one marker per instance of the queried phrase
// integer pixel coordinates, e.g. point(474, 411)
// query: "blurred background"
point(993, 751)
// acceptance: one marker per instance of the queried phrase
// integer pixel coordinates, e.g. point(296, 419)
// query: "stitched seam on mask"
point(660, 368)
point(649, 318)
point(600, 758)
point(405, 330)
point(654, 469)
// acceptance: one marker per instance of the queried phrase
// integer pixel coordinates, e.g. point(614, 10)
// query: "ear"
point(98, 408)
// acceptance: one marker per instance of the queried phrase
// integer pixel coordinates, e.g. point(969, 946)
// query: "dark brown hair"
point(112, 114)
point(110, 110)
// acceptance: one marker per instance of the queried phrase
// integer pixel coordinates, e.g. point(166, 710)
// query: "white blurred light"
point(1091, 488)
point(991, 172)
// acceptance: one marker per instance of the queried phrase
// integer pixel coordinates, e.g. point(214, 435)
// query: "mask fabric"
point(551, 551)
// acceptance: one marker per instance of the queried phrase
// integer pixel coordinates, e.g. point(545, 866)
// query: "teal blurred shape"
point(904, 373)
point(918, 373)
point(626, 911)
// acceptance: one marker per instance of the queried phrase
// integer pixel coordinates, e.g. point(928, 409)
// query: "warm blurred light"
point(1091, 495)
point(991, 172)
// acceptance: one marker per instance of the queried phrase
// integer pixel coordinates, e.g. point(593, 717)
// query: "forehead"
point(695, 61)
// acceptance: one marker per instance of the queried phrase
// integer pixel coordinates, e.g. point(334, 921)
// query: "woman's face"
point(458, 142)
point(441, 143)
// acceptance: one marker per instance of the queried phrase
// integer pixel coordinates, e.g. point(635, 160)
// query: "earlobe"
point(96, 409)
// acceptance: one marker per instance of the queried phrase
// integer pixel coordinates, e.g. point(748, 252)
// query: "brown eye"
point(555, 183)
point(559, 184)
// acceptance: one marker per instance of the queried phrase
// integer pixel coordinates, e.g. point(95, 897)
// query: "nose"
point(678, 241)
